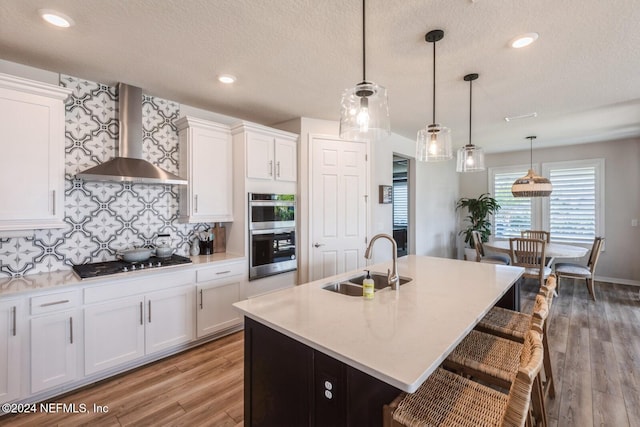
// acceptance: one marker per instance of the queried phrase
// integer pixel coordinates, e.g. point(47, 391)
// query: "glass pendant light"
point(470, 157)
point(434, 141)
point(364, 109)
point(531, 185)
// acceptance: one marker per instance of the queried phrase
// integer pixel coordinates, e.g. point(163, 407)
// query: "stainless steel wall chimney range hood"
point(129, 164)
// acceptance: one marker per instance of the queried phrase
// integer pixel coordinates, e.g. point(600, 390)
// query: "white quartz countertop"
point(60, 279)
point(398, 337)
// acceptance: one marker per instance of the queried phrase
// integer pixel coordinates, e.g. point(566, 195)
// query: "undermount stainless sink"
point(353, 286)
point(345, 288)
point(380, 280)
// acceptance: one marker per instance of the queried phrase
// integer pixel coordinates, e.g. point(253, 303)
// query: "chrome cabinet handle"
point(201, 299)
point(224, 272)
point(278, 169)
point(270, 167)
point(149, 311)
point(317, 245)
point(195, 207)
point(141, 315)
point(54, 202)
point(70, 330)
point(15, 325)
point(47, 304)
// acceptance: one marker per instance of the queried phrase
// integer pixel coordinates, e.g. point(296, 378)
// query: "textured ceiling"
point(293, 58)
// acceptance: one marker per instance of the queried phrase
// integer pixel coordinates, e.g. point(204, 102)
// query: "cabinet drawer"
point(220, 271)
point(128, 287)
point(54, 302)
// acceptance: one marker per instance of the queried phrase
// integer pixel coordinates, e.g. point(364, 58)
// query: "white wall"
point(432, 203)
point(619, 262)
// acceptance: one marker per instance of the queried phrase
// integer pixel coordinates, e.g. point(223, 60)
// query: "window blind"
point(400, 203)
point(515, 213)
point(572, 204)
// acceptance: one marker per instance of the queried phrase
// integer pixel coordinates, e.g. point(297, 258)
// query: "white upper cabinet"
point(286, 160)
point(32, 161)
point(206, 161)
point(271, 154)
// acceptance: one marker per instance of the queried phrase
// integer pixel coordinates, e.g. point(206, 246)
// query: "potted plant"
point(479, 210)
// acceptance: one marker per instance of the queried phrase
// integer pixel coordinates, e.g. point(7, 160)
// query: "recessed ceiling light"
point(56, 18)
point(226, 78)
point(524, 40)
point(521, 116)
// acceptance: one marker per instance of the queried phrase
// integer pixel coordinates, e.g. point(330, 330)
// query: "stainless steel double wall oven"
point(272, 234)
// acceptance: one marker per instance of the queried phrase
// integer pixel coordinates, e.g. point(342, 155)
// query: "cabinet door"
point(214, 311)
point(259, 156)
point(114, 333)
point(170, 318)
point(54, 346)
point(286, 160)
point(33, 156)
point(278, 378)
point(10, 349)
point(211, 176)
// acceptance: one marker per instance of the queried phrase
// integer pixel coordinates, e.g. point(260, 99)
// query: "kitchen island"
point(316, 357)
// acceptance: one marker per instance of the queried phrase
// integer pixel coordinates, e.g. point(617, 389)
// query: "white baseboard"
point(618, 281)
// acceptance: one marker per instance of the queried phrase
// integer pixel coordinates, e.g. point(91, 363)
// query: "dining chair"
point(530, 254)
point(579, 271)
point(482, 257)
point(448, 399)
point(542, 235)
point(536, 234)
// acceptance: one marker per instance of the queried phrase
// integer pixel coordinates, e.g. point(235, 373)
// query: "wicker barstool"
point(495, 360)
point(447, 399)
point(514, 325)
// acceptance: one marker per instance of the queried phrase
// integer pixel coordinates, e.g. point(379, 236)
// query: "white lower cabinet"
point(126, 329)
point(218, 287)
point(114, 333)
point(169, 318)
point(11, 332)
point(215, 312)
point(55, 340)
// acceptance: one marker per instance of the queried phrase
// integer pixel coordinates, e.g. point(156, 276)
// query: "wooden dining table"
point(552, 250)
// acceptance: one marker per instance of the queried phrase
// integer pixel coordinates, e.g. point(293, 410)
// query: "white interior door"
point(338, 206)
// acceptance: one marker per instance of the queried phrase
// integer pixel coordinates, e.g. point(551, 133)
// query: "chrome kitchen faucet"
point(392, 275)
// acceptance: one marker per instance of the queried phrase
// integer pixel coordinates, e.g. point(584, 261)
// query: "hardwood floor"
point(200, 387)
point(595, 350)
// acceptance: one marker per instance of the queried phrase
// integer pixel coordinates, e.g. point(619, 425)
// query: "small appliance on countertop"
point(97, 269)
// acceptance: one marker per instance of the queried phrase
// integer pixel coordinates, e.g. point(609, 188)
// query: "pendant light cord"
point(434, 82)
point(470, 101)
point(364, 54)
point(531, 151)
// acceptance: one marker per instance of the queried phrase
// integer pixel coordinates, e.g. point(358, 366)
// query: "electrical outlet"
point(634, 222)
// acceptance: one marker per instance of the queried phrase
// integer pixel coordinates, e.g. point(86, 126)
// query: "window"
point(400, 202)
point(573, 213)
point(515, 214)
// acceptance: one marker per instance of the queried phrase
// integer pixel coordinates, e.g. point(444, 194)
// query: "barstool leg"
point(537, 402)
point(549, 386)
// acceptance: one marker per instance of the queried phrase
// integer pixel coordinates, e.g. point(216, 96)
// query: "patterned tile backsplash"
point(103, 217)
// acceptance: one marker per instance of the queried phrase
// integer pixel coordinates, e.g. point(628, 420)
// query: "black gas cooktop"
point(96, 269)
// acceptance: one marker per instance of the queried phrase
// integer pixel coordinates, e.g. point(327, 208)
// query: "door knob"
point(317, 245)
